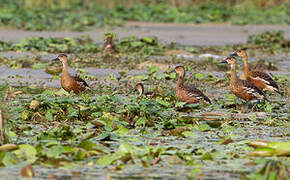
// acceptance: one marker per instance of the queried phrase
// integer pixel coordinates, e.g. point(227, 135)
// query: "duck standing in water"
point(68, 82)
point(260, 79)
point(189, 94)
point(243, 89)
point(109, 45)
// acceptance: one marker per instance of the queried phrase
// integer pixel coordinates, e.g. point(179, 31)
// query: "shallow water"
point(31, 76)
point(222, 167)
point(185, 34)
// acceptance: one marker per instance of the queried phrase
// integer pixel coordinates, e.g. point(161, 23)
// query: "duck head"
point(62, 58)
point(140, 88)
point(180, 70)
point(240, 53)
point(229, 60)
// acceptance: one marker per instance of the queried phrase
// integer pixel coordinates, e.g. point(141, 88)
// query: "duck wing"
point(80, 81)
point(250, 88)
point(196, 93)
point(262, 76)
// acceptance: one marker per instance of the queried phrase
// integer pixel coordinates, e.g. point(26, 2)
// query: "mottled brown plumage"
point(243, 89)
point(109, 45)
point(259, 78)
point(189, 94)
point(68, 82)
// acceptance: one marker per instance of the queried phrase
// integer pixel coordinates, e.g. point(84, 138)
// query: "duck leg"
point(247, 106)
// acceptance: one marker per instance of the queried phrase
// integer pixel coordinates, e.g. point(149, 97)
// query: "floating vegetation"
point(110, 130)
point(268, 40)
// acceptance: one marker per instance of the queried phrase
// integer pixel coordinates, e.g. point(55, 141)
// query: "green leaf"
point(49, 114)
point(230, 99)
point(38, 65)
point(199, 76)
point(88, 145)
point(207, 156)
point(193, 106)
point(172, 75)
point(189, 134)
point(80, 155)
point(49, 92)
point(62, 92)
point(27, 152)
point(136, 44)
point(10, 159)
point(106, 160)
point(104, 135)
point(153, 69)
point(180, 104)
point(148, 40)
point(162, 102)
point(273, 175)
point(204, 127)
point(57, 151)
point(141, 121)
point(124, 148)
point(122, 131)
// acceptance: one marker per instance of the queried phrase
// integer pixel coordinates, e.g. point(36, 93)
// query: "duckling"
point(68, 82)
point(140, 88)
point(189, 94)
point(243, 89)
point(260, 79)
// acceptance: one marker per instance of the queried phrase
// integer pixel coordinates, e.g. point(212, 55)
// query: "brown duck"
point(260, 79)
point(140, 88)
point(189, 94)
point(109, 45)
point(68, 82)
point(243, 89)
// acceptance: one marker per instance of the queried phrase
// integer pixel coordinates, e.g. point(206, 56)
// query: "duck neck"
point(141, 91)
point(246, 65)
point(180, 81)
point(65, 69)
point(233, 73)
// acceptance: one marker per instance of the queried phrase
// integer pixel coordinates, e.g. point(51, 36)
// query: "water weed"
point(111, 130)
point(80, 16)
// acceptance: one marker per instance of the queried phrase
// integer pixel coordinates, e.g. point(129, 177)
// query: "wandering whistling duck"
point(140, 88)
point(260, 79)
point(243, 89)
point(68, 82)
point(189, 94)
point(109, 45)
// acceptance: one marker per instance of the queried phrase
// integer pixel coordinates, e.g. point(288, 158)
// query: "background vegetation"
point(79, 15)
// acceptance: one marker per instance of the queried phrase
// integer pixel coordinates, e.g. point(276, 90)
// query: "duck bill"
point(56, 59)
point(223, 62)
point(234, 54)
point(173, 71)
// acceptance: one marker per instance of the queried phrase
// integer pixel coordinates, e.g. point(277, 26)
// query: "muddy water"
point(185, 34)
point(40, 77)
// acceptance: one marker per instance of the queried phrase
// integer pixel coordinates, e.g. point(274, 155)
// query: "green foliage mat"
point(79, 18)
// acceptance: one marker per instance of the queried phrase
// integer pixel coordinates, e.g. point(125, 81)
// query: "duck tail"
point(206, 99)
